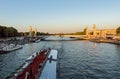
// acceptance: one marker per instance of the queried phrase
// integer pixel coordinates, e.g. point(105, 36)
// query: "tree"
point(84, 32)
point(91, 33)
point(2, 28)
point(5, 32)
point(8, 31)
point(118, 30)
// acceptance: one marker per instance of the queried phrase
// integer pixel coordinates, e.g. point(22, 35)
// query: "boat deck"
point(49, 71)
point(31, 72)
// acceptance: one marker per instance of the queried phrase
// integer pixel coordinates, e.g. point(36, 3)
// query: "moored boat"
point(33, 65)
point(37, 41)
point(9, 48)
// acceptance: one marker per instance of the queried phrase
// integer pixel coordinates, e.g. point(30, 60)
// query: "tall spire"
point(86, 30)
point(94, 30)
point(35, 30)
point(30, 31)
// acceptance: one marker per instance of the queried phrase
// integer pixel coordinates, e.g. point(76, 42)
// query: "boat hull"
point(33, 66)
point(7, 51)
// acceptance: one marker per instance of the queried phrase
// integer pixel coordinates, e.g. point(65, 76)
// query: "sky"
point(60, 16)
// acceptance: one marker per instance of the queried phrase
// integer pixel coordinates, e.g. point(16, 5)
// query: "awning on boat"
point(49, 71)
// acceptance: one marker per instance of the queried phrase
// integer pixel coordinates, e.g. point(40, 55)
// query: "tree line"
point(118, 30)
point(27, 33)
point(8, 31)
point(12, 32)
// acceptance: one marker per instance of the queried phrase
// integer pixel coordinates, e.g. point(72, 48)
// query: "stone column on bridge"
point(30, 31)
point(87, 33)
point(35, 30)
point(94, 30)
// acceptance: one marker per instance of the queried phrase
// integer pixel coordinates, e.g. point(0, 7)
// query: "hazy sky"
point(60, 15)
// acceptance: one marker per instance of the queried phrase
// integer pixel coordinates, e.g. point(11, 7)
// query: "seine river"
point(77, 59)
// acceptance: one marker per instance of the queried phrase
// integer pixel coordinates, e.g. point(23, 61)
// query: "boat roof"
point(53, 53)
point(49, 70)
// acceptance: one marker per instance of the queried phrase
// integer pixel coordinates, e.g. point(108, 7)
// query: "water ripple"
point(77, 59)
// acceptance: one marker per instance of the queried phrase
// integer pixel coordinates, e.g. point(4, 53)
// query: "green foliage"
point(25, 34)
point(2, 31)
point(33, 33)
point(8, 31)
point(84, 32)
point(76, 33)
point(21, 34)
point(41, 33)
point(91, 33)
point(79, 33)
point(118, 30)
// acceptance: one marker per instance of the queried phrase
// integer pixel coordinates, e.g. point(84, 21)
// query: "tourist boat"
point(9, 48)
point(37, 41)
point(34, 40)
point(36, 66)
point(50, 68)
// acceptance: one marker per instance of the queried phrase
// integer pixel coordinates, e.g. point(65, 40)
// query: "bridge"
point(76, 36)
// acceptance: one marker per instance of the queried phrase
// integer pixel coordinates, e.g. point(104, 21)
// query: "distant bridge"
point(77, 36)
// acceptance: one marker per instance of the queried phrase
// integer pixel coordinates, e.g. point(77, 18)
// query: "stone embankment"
point(112, 41)
point(14, 40)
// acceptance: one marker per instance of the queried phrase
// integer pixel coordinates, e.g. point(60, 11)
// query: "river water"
point(77, 59)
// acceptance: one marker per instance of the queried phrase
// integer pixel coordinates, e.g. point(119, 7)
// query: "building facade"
point(101, 32)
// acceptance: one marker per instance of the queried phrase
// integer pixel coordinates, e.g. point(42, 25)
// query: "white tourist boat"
point(10, 47)
point(37, 41)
